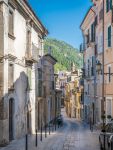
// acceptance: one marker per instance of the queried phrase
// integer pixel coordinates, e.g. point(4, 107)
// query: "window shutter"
point(92, 33)
point(109, 36)
point(92, 68)
point(96, 21)
point(107, 5)
point(88, 38)
point(109, 71)
point(110, 4)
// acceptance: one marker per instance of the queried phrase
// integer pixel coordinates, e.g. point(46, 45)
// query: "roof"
point(45, 30)
point(49, 55)
point(85, 16)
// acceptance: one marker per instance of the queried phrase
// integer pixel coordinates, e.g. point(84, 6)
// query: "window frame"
point(108, 5)
point(11, 24)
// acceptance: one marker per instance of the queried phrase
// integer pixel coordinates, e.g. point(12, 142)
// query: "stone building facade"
point(21, 44)
point(73, 95)
point(49, 87)
point(88, 28)
point(61, 82)
point(97, 25)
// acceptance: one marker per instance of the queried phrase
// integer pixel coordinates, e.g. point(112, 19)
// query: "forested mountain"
point(64, 53)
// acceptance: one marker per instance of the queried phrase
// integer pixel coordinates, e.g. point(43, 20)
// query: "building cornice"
point(25, 9)
point(50, 58)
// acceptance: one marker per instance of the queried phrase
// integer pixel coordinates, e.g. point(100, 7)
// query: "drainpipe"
point(103, 98)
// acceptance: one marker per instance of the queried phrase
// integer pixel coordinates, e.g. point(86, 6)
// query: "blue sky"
point(62, 18)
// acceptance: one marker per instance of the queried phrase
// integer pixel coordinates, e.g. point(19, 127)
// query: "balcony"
point(32, 55)
point(91, 44)
point(85, 74)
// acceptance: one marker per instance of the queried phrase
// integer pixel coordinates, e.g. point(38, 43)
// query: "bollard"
point(58, 124)
point(111, 145)
point(41, 134)
point(55, 124)
point(91, 127)
point(45, 132)
point(36, 139)
point(49, 129)
point(104, 142)
point(52, 127)
point(26, 142)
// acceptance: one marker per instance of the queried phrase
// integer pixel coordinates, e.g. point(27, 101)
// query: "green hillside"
point(64, 53)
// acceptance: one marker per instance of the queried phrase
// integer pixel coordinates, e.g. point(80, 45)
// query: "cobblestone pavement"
point(74, 135)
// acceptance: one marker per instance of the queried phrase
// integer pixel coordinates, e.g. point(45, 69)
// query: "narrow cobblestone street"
point(74, 135)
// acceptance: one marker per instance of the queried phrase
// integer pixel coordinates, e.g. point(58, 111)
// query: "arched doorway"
point(11, 119)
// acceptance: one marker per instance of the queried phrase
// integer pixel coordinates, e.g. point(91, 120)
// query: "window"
point(29, 74)
point(10, 74)
point(53, 86)
point(92, 68)
point(44, 91)
point(109, 36)
point(28, 41)
point(101, 14)
point(88, 37)
point(93, 32)
point(108, 5)
point(39, 82)
point(88, 69)
point(11, 22)
point(96, 21)
point(88, 89)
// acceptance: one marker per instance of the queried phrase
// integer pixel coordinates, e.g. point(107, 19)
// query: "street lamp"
point(98, 66)
point(99, 69)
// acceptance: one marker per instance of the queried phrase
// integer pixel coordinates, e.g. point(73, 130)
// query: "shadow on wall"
point(15, 110)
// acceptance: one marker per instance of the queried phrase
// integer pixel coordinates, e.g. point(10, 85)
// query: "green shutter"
point(109, 71)
point(109, 36)
point(107, 5)
point(110, 4)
